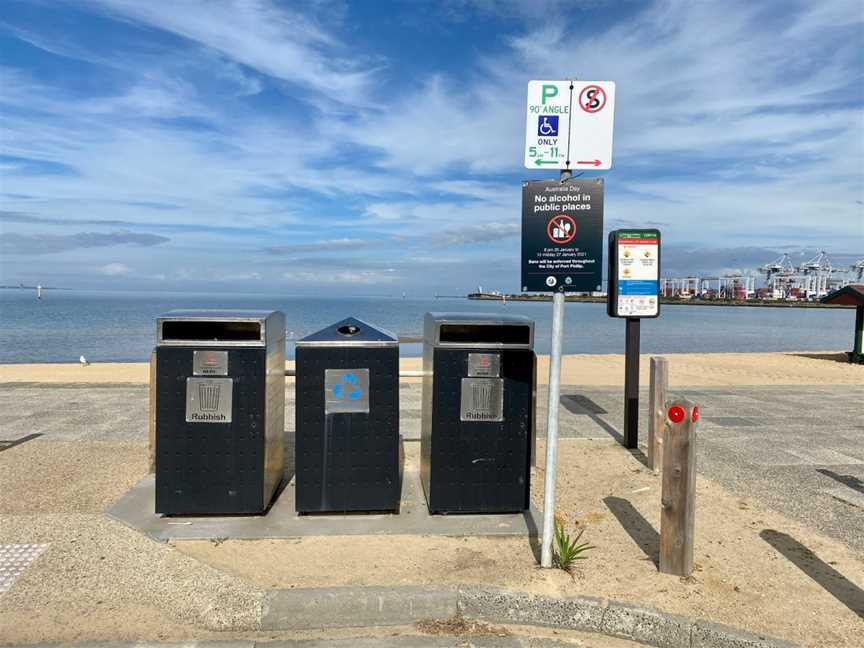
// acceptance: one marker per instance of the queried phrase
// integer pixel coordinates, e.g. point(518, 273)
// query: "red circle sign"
point(561, 229)
point(592, 99)
point(676, 413)
point(694, 414)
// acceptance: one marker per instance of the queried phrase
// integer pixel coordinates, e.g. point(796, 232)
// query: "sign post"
point(634, 278)
point(568, 126)
point(562, 251)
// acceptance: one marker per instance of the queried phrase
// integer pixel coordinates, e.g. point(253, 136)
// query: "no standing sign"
point(569, 124)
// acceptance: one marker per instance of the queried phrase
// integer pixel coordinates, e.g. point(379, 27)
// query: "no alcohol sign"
point(562, 235)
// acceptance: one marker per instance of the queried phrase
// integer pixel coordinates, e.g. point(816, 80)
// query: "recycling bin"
point(347, 420)
point(477, 430)
point(220, 411)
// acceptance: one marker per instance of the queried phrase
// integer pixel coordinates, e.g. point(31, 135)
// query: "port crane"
point(820, 263)
point(782, 265)
point(809, 280)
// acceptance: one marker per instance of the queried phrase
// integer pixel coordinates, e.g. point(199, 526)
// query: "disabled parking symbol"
point(547, 126)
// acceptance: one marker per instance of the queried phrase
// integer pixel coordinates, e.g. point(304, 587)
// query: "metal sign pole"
point(552, 420)
point(631, 384)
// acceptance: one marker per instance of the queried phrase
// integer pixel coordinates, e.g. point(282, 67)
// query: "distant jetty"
point(673, 301)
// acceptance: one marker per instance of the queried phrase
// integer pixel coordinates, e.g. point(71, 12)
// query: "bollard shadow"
point(847, 480)
point(636, 526)
point(826, 576)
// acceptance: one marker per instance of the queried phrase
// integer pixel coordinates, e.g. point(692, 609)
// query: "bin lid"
point(351, 332)
point(218, 327)
point(480, 318)
point(478, 329)
point(219, 315)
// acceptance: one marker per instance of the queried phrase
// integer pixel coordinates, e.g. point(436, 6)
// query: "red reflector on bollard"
point(694, 414)
point(676, 413)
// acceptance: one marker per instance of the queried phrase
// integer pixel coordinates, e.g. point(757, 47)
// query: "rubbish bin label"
point(208, 400)
point(346, 391)
point(482, 400)
point(484, 365)
point(209, 363)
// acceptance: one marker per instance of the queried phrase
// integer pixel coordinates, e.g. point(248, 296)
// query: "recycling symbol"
point(347, 388)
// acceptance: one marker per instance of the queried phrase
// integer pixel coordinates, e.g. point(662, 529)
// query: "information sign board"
point(634, 273)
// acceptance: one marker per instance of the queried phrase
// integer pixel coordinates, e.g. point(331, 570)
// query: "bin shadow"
point(636, 526)
point(824, 574)
point(849, 481)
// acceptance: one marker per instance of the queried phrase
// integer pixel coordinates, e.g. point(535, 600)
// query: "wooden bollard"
point(678, 498)
point(151, 423)
point(657, 411)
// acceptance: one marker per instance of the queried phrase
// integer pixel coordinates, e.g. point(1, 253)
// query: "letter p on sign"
point(548, 92)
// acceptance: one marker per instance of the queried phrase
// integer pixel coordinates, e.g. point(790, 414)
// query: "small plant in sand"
point(567, 550)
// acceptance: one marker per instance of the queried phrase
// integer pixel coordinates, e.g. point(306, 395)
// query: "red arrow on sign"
point(591, 162)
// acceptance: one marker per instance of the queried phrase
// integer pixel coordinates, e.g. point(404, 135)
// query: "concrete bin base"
point(136, 509)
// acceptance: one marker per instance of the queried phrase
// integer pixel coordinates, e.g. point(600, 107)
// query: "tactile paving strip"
point(14, 559)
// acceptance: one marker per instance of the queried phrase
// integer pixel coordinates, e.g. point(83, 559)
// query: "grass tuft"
point(567, 550)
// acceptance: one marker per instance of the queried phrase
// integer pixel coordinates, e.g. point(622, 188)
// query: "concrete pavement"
point(795, 449)
point(749, 441)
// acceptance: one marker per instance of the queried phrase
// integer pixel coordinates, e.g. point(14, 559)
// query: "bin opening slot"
point(485, 334)
point(212, 331)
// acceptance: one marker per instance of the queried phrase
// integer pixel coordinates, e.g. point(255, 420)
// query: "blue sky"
point(375, 147)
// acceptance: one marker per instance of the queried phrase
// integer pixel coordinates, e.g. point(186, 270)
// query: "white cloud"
point(274, 40)
point(475, 234)
point(730, 124)
point(115, 270)
point(323, 246)
point(342, 277)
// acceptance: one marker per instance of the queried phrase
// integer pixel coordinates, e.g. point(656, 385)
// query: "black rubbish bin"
point(220, 411)
point(347, 419)
point(478, 412)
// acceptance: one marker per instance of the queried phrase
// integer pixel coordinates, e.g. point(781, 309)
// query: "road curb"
point(339, 607)
point(603, 616)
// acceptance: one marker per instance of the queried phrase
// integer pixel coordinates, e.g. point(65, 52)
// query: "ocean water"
point(119, 326)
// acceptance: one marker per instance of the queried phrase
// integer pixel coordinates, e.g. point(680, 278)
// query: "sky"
point(375, 148)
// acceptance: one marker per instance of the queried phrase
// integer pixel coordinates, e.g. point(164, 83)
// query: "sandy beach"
point(686, 370)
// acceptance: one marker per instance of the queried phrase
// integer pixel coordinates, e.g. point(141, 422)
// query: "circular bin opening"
point(348, 330)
